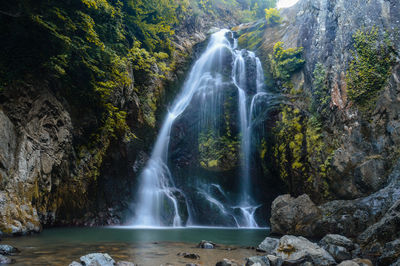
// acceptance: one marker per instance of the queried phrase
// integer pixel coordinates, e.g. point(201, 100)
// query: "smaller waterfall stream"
point(239, 77)
point(158, 196)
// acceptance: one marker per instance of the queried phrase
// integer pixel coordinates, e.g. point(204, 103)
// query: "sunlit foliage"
point(272, 16)
point(284, 62)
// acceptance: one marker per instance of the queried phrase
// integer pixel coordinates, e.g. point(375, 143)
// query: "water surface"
point(142, 246)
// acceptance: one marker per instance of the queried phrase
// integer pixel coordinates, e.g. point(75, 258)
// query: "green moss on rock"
point(370, 68)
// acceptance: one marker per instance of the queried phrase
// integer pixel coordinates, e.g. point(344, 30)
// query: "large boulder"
point(363, 218)
point(385, 230)
point(268, 245)
point(337, 240)
point(340, 247)
point(297, 216)
point(396, 263)
point(338, 253)
point(356, 262)
point(391, 253)
point(275, 260)
point(292, 248)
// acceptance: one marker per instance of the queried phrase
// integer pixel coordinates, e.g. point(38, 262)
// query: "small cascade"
point(161, 200)
point(246, 207)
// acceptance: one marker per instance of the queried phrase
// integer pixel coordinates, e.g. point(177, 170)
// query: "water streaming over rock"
point(222, 76)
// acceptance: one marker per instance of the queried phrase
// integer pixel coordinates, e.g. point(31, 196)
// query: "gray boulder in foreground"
point(8, 250)
point(258, 261)
point(227, 262)
point(391, 253)
point(274, 260)
point(292, 248)
point(297, 216)
point(95, 259)
point(340, 247)
point(356, 262)
point(268, 245)
point(371, 219)
point(337, 240)
point(5, 260)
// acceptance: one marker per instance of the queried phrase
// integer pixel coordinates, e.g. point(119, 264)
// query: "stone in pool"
point(8, 250)
point(189, 255)
point(226, 262)
point(206, 244)
point(95, 259)
point(5, 260)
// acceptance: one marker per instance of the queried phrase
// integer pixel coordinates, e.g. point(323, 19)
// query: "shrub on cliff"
point(284, 62)
point(272, 15)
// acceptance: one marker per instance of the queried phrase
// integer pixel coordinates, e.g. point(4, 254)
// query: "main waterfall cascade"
point(221, 75)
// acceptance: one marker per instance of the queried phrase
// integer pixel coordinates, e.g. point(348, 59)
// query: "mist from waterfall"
point(160, 202)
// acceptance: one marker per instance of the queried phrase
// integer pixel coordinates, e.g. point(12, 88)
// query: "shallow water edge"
point(155, 246)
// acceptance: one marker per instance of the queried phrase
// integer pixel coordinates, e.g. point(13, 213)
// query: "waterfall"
point(160, 202)
point(239, 78)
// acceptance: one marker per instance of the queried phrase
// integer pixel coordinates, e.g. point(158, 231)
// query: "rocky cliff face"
point(360, 151)
point(36, 134)
point(360, 147)
point(50, 176)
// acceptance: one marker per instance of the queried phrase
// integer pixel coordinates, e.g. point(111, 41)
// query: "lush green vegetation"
point(301, 154)
point(243, 10)
point(284, 62)
point(321, 98)
point(86, 48)
point(89, 51)
point(371, 67)
point(302, 157)
point(272, 16)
